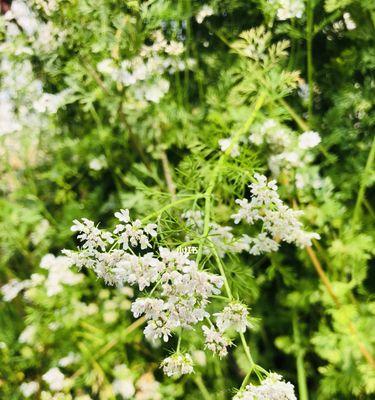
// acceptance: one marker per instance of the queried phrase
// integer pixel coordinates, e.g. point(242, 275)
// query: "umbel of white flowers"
point(279, 221)
point(271, 388)
point(182, 290)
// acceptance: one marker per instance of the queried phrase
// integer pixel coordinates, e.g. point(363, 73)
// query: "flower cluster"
point(221, 237)
point(233, 317)
point(143, 72)
point(271, 388)
point(184, 293)
point(287, 150)
point(21, 22)
point(59, 274)
point(180, 290)
point(216, 341)
point(204, 12)
point(177, 364)
point(279, 221)
point(287, 9)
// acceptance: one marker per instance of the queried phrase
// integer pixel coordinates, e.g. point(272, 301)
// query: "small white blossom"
point(309, 139)
point(234, 316)
point(262, 244)
point(29, 388)
point(204, 12)
point(12, 288)
point(124, 387)
point(178, 364)
point(147, 388)
point(225, 144)
point(71, 358)
point(27, 336)
point(216, 341)
point(55, 379)
point(350, 24)
point(287, 9)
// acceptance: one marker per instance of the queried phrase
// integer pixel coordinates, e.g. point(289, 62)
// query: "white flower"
point(71, 358)
point(96, 164)
point(174, 48)
point(178, 364)
point(262, 244)
point(156, 91)
point(147, 388)
point(29, 388)
point(225, 144)
point(350, 24)
point(59, 273)
point(12, 288)
point(289, 8)
point(215, 341)
point(271, 388)
point(27, 336)
point(124, 387)
point(280, 221)
point(55, 379)
point(49, 103)
point(123, 216)
point(234, 316)
point(309, 139)
point(203, 13)
point(106, 66)
point(24, 16)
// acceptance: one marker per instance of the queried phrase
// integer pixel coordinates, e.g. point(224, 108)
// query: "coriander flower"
point(29, 388)
point(226, 143)
point(288, 9)
point(233, 317)
point(309, 139)
point(55, 379)
point(204, 12)
point(216, 341)
point(271, 388)
point(178, 364)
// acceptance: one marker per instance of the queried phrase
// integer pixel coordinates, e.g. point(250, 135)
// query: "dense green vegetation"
point(171, 109)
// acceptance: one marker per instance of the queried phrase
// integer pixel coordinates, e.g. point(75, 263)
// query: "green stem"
point(171, 205)
point(247, 350)
point(301, 373)
point(201, 386)
point(179, 342)
point(215, 173)
point(362, 188)
point(310, 67)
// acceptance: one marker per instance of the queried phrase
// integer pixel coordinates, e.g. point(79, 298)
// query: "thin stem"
point(247, 350)
point(201, 386)
point(299, 121)
point(222, 273)
point(310, 67)
point(179, 342)
point(171, 205)
point(168, 175)
point(246, 379)
point(301, 373)
point(362, 188)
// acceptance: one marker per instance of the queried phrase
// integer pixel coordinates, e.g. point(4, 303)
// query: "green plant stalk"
point(362, 188)
point(211, 184)
point(201, 386)
point(310, 66)
point(171, 205)
point(301, 373)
